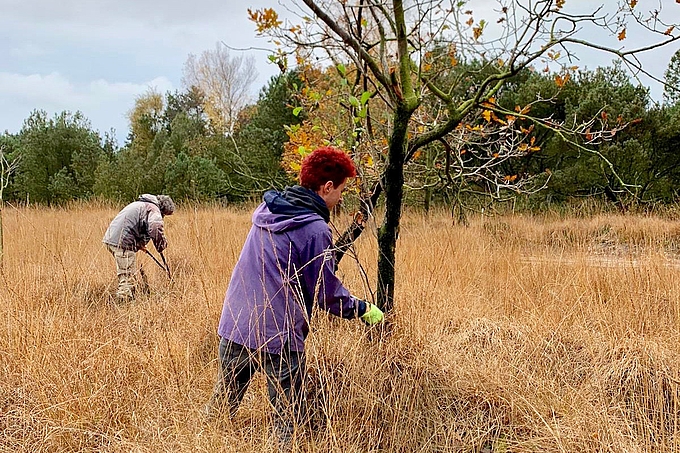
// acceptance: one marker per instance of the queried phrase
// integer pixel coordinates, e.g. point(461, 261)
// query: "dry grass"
point(513, 335)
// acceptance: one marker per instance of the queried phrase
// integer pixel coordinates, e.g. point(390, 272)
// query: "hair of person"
point(326, 164)
point(166, 205)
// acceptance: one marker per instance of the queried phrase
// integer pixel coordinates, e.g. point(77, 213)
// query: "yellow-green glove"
point(373, 315)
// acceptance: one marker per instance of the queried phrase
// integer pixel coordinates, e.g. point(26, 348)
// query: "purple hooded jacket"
point(285, 267)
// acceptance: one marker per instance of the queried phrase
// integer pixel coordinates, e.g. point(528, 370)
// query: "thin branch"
point(347, 39)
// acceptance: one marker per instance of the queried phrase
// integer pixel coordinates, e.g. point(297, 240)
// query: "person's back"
point(288, 245)
point(137, 223)
point(126, 230)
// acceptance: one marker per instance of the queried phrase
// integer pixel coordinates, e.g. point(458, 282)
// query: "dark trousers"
point(285, 376)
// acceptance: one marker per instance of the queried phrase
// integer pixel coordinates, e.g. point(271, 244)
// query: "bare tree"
point(396, 45)
point(224, 80)
point(7, 167)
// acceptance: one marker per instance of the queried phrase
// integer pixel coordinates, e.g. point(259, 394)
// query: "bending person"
point(129, 232)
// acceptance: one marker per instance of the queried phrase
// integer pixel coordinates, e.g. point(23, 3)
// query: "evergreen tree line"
point(634, 161)
point(638, 162)
point(172, 148)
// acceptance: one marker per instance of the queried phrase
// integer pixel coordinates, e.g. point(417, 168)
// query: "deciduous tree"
point(396, 48)
point(8, 164)
point(225, 82)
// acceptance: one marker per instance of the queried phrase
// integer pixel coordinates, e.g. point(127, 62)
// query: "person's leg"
point(285, 379)
point(237, 365)
point(125, 269)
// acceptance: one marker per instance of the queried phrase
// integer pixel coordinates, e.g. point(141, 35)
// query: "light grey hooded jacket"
point(136, 224)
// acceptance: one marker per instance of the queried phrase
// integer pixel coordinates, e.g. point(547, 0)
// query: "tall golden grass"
point(515, 334)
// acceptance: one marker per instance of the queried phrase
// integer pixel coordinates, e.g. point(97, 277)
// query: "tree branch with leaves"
point(434, 72)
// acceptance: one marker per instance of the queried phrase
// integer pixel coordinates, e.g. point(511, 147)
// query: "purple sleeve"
point(318, 277)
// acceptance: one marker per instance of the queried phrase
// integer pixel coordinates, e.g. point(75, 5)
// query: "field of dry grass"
point(516, 334)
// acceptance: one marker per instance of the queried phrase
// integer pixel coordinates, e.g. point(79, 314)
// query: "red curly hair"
point(326, 164)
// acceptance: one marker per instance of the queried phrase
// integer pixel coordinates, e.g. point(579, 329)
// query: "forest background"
point(206, 142)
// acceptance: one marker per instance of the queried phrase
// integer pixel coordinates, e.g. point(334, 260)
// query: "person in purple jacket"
point(286, 267)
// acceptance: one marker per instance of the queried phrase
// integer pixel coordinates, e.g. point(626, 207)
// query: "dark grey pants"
point(285, 377)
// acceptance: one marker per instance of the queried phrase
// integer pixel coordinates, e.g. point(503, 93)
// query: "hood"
point(149, 199)
point(294, 207)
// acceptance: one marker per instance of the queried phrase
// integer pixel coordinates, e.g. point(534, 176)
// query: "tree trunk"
point(394, 193)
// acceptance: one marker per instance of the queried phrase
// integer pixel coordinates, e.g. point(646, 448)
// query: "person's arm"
point(155, 220)
point(319, 279)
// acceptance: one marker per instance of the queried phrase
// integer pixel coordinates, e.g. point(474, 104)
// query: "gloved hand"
point(373, 315)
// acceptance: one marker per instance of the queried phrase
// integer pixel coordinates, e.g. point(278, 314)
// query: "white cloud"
point(159, 12)
point(56, 90)
point(110, 23)
point(97, 57)
point(27, 50)
point(103, 102)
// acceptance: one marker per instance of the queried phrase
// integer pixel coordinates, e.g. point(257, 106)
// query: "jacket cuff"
point(362, 308)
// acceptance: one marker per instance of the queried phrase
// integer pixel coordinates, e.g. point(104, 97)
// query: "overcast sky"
point(96, 56)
